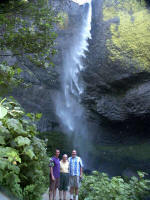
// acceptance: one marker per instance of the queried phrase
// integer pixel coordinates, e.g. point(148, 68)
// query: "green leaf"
point(38, 116)
point(2, 141)
point(19, 70)
point(4, 131)
point(15, 125)
point(29, 152)
point(3, 163)
point(30, 115)
point(3, 112)
point(9, 153)
point(21, 141)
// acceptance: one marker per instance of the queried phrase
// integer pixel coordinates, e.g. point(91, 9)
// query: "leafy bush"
point(23, 158)
point(99, 186)
point(9, 77)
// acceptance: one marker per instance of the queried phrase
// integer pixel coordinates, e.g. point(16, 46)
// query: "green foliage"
point(3, 111)
point(129, 41)
point(22, 141)
point(11, 5)
point(27, 35)
point(23, 158)
point(99, 186)
point(63, 20)
point(29, 32)
point(9, 77)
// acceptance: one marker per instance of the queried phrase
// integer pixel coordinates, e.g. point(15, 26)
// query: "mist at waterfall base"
point(68, 100)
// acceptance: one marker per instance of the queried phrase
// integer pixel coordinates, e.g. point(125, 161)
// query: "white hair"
point(65, 155)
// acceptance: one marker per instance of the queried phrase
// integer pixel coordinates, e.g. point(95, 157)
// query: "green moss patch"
point(130, 37)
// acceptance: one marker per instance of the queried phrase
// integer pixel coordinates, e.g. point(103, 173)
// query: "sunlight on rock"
point(130, 37)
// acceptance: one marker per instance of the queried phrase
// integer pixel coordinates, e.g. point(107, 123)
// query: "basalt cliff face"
point(116, 79)
point(117, 82)
point(45, 82)
point(118, 68)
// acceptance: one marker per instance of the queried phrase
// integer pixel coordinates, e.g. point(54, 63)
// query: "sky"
point(80, 2)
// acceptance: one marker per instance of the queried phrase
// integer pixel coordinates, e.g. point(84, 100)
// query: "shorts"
point(54, 184)
point(64, 181)
point(74, 181)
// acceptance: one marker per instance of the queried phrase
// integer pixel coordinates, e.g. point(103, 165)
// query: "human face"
point(65, 157)
point(57, 153)
point(74, 153)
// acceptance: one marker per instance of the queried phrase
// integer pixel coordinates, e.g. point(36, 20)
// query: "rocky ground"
point(46, 197)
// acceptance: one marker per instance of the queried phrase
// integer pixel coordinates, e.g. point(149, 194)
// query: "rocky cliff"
point(118, 61)
point(116, 78)
point(43, 83)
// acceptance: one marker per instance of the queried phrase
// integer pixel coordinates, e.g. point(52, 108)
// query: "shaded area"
point(117, 92)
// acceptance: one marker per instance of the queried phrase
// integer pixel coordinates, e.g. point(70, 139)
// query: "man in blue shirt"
point(75, 172)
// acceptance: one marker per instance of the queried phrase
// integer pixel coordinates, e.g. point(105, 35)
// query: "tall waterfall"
point(68, 102)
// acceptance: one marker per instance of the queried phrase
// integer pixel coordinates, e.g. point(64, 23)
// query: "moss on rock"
point(130, 35)
point(63, 20)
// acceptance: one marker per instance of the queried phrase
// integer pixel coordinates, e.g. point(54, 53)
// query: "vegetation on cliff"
point(129, 28)
point(29, 31)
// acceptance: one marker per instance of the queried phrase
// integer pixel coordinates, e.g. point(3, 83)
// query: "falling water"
point(68, 105)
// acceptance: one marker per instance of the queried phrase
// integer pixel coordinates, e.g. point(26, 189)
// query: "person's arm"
point(81, 168)
point(69, 164)
point(51, 173)
point(51, 165)
point(81, 172)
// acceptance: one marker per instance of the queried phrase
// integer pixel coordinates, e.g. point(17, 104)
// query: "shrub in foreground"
point(23, 158)
point(99, 186)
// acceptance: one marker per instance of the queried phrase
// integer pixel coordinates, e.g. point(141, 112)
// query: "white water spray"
point(68, 106)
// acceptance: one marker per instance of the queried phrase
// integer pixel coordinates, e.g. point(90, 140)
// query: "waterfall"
point(68, 101)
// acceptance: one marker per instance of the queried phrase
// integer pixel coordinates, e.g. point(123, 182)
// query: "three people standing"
point(63, 173)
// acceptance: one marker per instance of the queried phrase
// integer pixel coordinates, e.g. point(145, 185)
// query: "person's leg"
point(64, 195)
point(61, 187)
point(51, 189)
point(77, 184)
point(54, 194)
point(50, 194)
point(65, 186)
point(71, 192)
point(55, 188)
point(60, 194)
point(76, 193)
point(71, 183)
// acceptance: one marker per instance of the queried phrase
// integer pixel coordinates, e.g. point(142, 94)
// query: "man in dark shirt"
point(54, 175)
